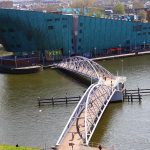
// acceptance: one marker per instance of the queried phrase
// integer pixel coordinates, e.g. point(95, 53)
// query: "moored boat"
point(21, 70)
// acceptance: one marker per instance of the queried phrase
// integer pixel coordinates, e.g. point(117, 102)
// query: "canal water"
point(123, 126)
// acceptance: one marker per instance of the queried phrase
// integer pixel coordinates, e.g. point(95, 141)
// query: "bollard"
point(138, 91)
point(52, 101)
point(128, 99)
point(140, 98)
point(131, 98)
point(66, 100)
point(39, 101)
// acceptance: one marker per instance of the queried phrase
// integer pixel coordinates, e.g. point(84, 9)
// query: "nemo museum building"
point(56, 36)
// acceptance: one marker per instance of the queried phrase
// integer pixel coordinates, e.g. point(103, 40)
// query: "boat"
point(21, 70)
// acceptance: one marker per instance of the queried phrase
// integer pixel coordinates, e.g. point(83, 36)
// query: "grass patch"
point(6, 147)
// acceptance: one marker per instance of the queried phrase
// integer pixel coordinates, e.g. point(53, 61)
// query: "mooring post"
point(138, 91)
point(52, 101)
point(140, 98)
point(128, 98)
point(79, 97)
point(131, 98)
point(123, 97)
point(39, 101)
point(125, 92)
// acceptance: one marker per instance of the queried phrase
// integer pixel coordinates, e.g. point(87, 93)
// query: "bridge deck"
point(73, 136)
point(90, 108)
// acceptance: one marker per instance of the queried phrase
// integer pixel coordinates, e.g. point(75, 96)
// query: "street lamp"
point(120, 48)
point(95, 51)
point(122, 66)
point(69, 52)
point(144, 44)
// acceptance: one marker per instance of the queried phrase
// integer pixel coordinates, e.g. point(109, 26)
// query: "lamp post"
point(69, 52)
point(119, 49)
point(122, 66)
point(144, 44)
point(95, 52)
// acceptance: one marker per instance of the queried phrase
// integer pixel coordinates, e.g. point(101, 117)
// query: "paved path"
point(120, 56)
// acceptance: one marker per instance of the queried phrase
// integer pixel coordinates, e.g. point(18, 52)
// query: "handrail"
point(72, 118)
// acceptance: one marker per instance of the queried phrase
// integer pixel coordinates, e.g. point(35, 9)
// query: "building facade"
point(56, 34)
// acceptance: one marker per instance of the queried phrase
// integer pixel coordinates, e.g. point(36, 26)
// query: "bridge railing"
point(99, 96)
point(86, 68)
point(74, 115)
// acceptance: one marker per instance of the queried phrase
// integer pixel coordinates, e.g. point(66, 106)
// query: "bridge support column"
point(117, 97)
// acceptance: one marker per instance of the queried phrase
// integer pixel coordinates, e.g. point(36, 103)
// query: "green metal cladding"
point(29, 31)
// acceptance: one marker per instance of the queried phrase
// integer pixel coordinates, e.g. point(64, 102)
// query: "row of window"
point(144, 33)
point(9, 30)
point(52, 27)
point(57, 19)
point(15, 46)
point(145, 28)
point(140, 28)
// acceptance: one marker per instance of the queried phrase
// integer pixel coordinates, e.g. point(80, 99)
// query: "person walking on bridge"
point(100, 147)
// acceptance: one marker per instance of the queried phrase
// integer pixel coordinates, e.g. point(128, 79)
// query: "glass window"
point(81, 24)
point(64, 18)
point(64, 26)
point(50, 27)
point(80, 31)
point(49, 19)
point(57, 19)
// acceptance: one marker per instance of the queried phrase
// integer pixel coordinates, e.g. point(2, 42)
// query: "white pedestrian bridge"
point(105, 87)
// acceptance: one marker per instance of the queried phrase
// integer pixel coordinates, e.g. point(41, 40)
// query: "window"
point(3, 30)
point(79, 47)
point(18, 46)
point(11, 30)
point(80, 40)
point(144, 33)
point(12, 46)
point(49, 20)
point(80, 31)
point(64, 26)
point(137, 28)
point(50, 27)
point(64, 18)
point(57, 19)
point(144, 28)
point(81, 24)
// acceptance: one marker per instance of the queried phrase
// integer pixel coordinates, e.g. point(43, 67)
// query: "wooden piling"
point(131, 98)
point(39, 101)
point(58, 100)
point(52, 101)
point(128, 98)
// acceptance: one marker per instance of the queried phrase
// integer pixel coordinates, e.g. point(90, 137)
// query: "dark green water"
point(124, 125)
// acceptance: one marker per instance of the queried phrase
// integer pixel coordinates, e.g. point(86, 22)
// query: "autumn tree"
point(95, 10)
point(119, 8)
point(82, 4)
point(143, 15)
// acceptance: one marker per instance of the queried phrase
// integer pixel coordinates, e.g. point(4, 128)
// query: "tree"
point(95, 10)
point(82, 4)
point(119, 9)
point(143, 15)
